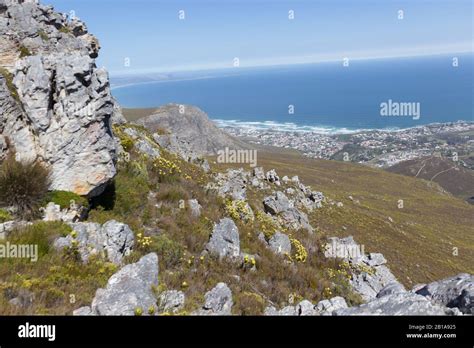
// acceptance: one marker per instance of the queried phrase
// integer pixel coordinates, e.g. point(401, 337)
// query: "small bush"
point(42, 34)
point(24, 52)
point(169, 250)
point(65, 30)
point(249, 303)
point(64, 198)
point(23, 185)
point(5, 216)
point(41, 233)
point(9, 80)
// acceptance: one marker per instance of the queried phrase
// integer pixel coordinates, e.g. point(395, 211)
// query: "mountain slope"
point(190, 124)
point(418, 243)
point(448, 174)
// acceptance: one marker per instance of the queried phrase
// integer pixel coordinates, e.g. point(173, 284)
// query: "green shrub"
point(170, 251)
point(42, 34)
point(24, 52)
point(64, 198)
point(65, 30)
point(5, 216)
point(23, 185)
point(9, 80)
point(41, 233)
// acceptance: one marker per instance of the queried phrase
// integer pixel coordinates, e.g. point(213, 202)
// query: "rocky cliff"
point(55, 104)
point(193, 127)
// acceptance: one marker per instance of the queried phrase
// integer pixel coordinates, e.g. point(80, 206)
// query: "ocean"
point(324, 97)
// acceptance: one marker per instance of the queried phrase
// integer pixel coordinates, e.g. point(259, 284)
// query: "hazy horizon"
point(140, 36)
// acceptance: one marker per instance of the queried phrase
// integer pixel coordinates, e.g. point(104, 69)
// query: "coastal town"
point(378, 148)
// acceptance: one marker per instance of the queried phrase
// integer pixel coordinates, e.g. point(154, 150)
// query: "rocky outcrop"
point(218, 301)
point(399, 304)
point(281, 207)
point(53, 212)
point(452, 292)
point(224, 241)
point(113, 240)
point(306, 308)
point(192, 128)
point(369, 274)
point(129, 290)
point(55, 104)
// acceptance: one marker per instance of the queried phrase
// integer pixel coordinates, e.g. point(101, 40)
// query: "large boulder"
point(457, 291)
point(129, 289)
point(224, 241)
point(55, 104)
point(280, 243)
point(113, 240)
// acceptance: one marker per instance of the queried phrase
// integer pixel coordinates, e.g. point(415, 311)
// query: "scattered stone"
point(113, 240)
point(273, 177)
point(171, 301)
point(277, 203)
point(224, 241)
point(129, 289)
point(327, 307)
point(218, 301)
point(195, 207)
point(280, 243)
point(83, 311)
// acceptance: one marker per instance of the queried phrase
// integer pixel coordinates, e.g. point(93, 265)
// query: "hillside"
point(451, 176)
point(192, 125)
point(431, 220)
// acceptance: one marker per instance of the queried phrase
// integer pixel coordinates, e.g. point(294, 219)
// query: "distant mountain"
point(192, 125)
point(454, 178)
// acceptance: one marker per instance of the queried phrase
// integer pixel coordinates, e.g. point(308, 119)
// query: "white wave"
point(287, 127)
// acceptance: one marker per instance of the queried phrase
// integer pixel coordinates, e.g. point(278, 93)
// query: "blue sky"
point(150, 34)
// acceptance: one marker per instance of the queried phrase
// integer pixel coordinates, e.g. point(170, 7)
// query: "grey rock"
point(457, 291)
point(306, 308)
point(277, 203)
point(398, 304)
point(285, 311)
point(129, 289)
point(113, 239)
point(23, 299)
point(83, 311)
point(171, 301)
point(280, 243)
point(224, 241)
point(9, 226)
point(259, 173)
point(327, 307)
point(391, 288)
point(147, 148)
point(61, 112)
point(195, 207)
point(218, 301)
point(273, 177)
point(231, 184)
point(372, 276)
